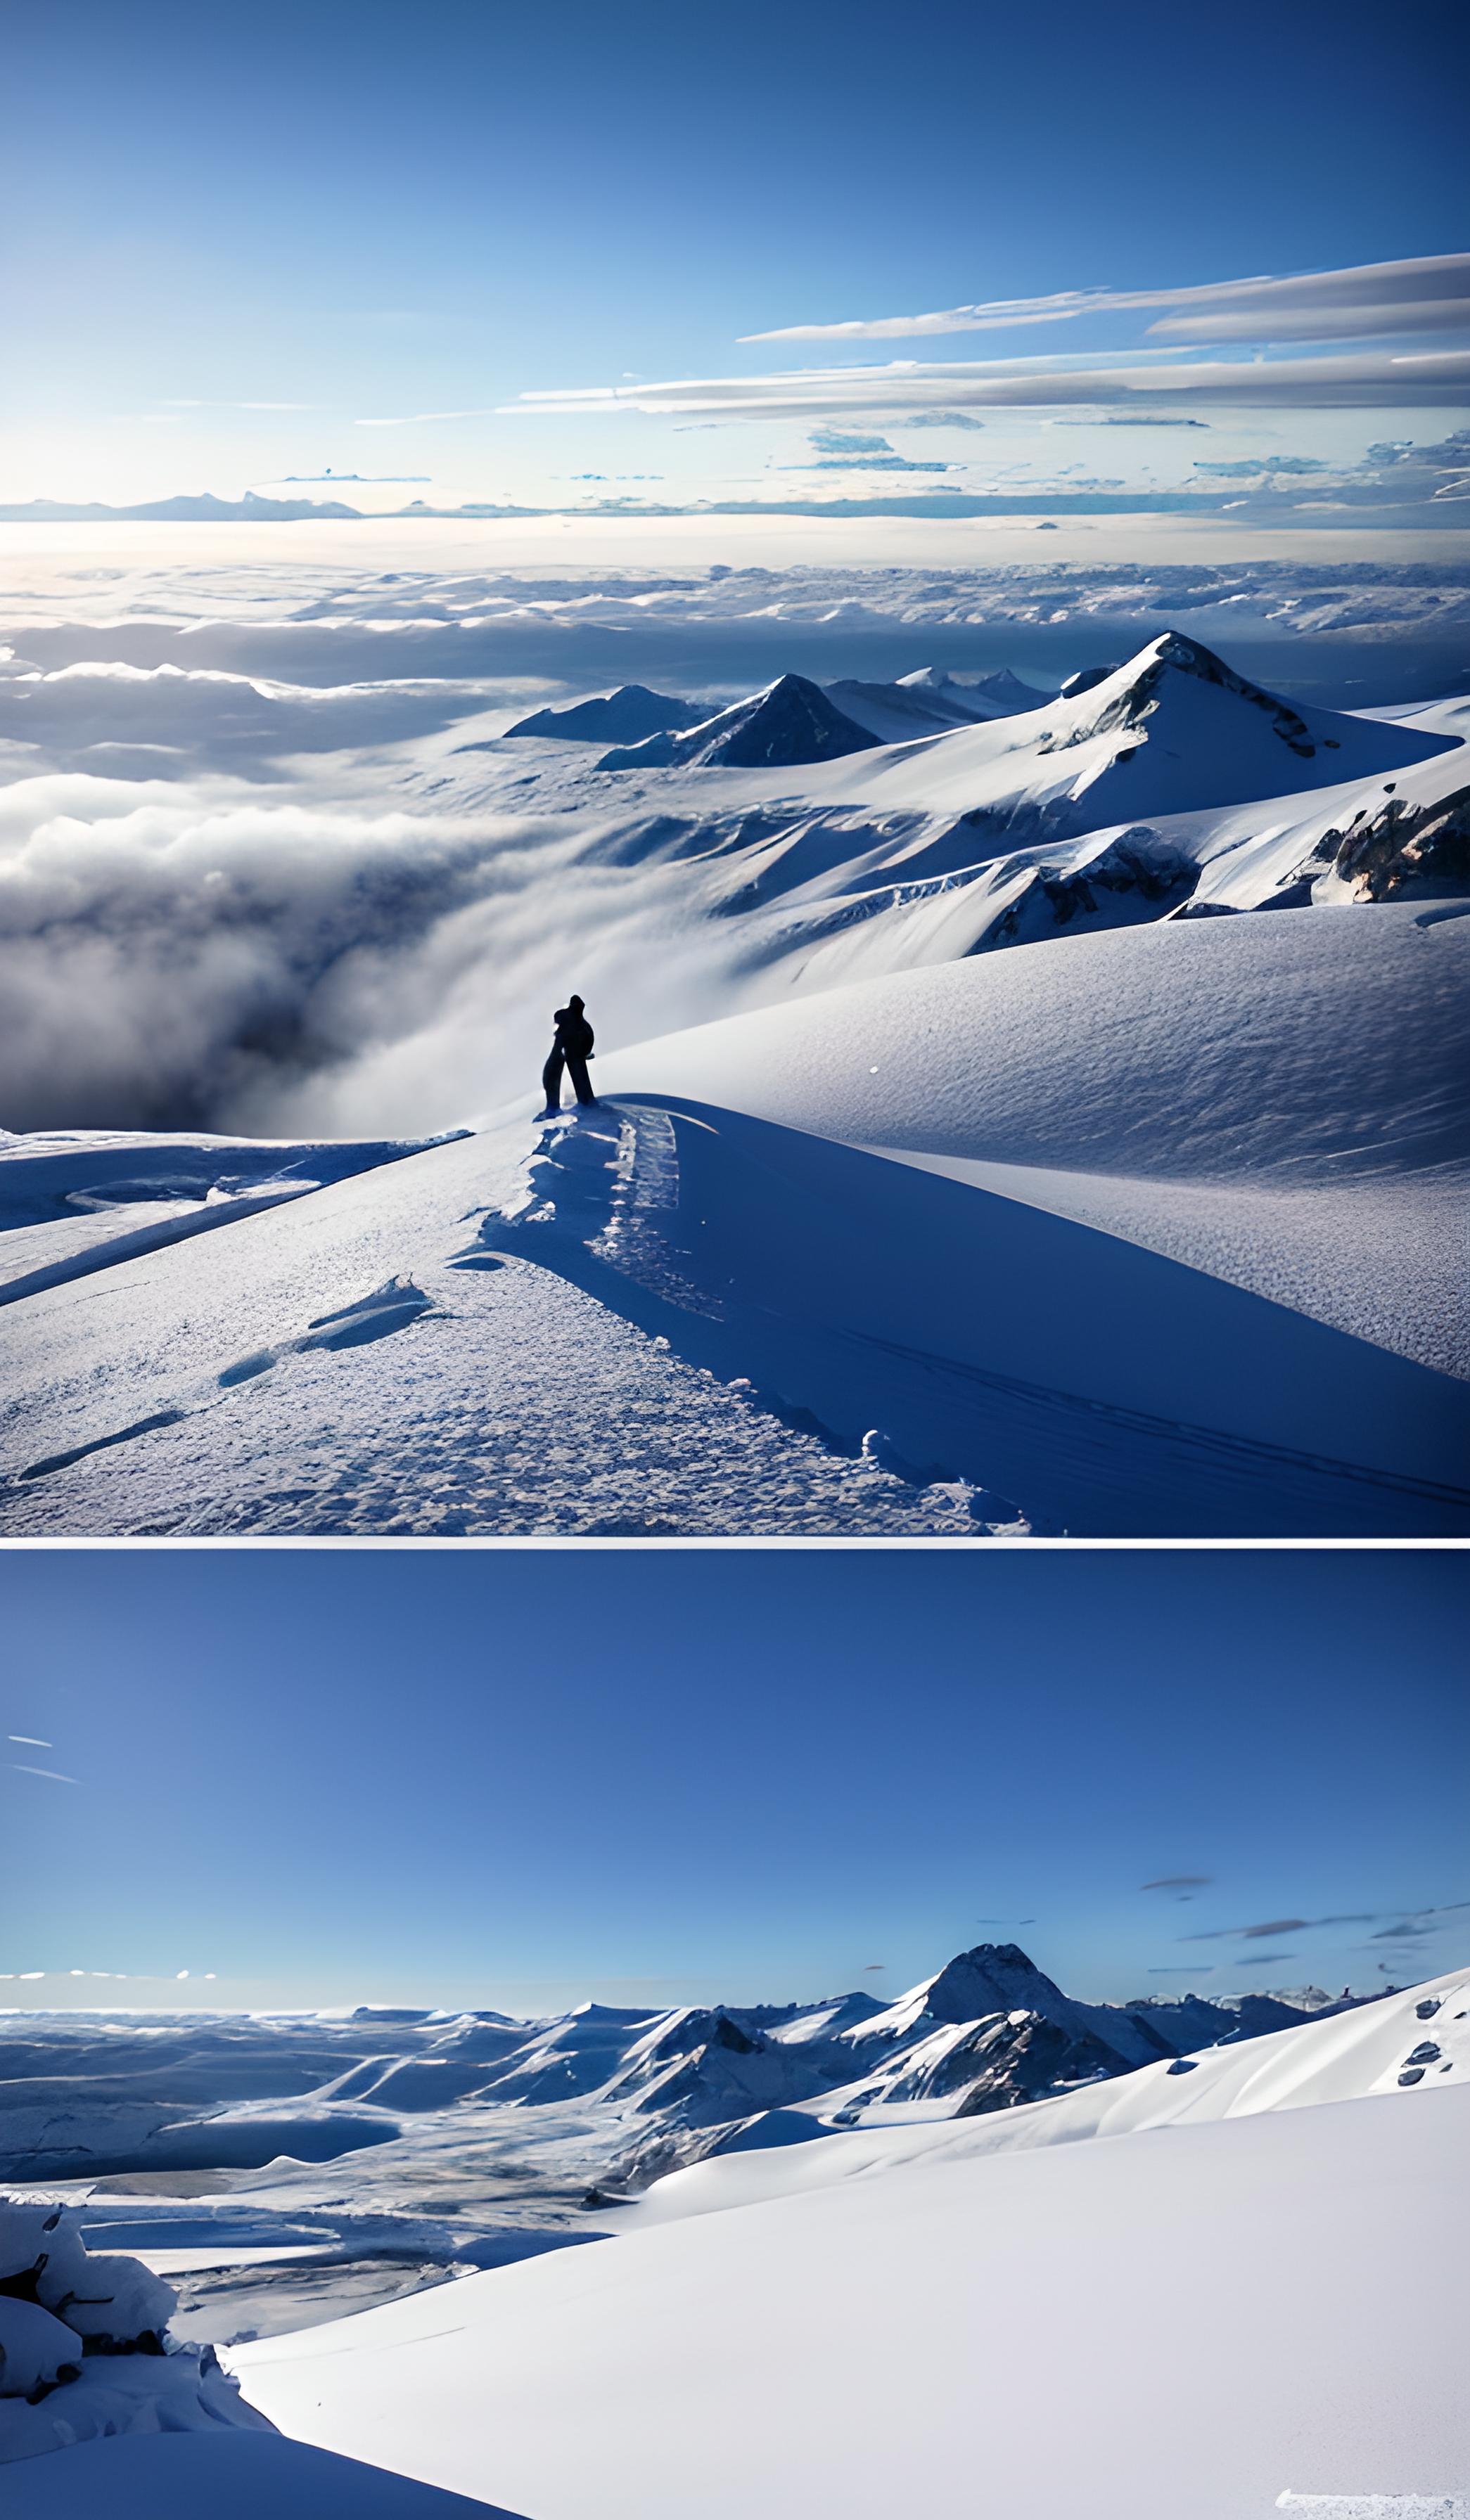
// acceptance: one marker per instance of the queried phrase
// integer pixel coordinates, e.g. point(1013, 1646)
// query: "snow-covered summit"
point(999, 695)
point(792, 721)
point(1171, 730)
point(624, 716)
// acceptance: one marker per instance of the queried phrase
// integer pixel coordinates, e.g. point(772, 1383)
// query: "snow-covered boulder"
point(36, 2351)
point(83, 2345)
point(116, 2304)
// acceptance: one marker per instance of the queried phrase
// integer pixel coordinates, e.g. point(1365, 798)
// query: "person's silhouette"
point(572, 1048)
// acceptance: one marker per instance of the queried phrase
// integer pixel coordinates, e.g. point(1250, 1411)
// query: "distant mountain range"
point(989, 2031)
point(792, 721)
point(1378, 500)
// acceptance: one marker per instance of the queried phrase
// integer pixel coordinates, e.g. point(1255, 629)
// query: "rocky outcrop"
point(1405, 849)
point(1023, 2057)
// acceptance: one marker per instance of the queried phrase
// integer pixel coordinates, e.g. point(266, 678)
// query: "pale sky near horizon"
point(519, 1778)
point(247, 246)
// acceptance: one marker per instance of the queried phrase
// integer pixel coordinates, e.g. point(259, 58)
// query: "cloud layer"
point(1369, 311)
point(1360, 379)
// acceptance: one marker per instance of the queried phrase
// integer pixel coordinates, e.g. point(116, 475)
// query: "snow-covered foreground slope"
point(1193, 2315)
point(360, 1362)
point(1274, 1102)
point(1144, 1234)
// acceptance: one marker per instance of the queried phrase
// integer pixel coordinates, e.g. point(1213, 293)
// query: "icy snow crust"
point(1204, 2280)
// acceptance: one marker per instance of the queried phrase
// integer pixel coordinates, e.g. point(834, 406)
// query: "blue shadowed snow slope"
point(231, 2476)
point(1103, 1387)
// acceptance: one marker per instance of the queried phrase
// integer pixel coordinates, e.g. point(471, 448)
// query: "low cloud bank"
point(177, 960)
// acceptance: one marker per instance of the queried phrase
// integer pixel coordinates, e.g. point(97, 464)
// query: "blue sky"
point(523, 1778)
point(239, 235)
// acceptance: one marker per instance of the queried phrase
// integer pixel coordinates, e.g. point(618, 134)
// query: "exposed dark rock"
point(1405, 849)
point(1024, 2058)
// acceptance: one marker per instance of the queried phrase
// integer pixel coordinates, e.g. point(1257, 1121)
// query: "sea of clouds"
point(247, 885)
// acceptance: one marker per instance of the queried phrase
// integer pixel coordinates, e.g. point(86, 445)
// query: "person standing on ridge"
point(572, 1048)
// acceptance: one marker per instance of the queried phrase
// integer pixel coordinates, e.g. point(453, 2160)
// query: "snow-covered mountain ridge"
point(1140, 798)
point(86, 2098)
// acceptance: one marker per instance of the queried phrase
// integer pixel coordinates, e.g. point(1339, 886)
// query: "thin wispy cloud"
point(53, 1774)
point(1360, 379)
point(192, 402)
point(1181, 1882)
point(1371, 308)
point(1363, 302)
point(30, 1741)
point(419, 418)
point(1411, 1923)
point(1273, 1926)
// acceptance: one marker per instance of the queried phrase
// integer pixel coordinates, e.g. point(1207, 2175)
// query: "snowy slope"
point(1190, 2321)
point(75, 1202)
point(230, 2476)
point(917, 704)
point(1273, 1102)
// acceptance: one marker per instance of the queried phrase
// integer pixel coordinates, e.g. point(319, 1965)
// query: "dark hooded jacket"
point(574, 1033)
